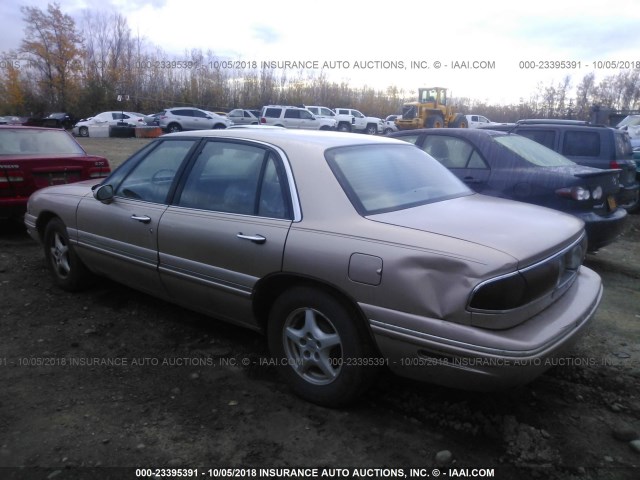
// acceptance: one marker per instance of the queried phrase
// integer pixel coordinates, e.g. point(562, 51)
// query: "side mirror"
point(103, 193)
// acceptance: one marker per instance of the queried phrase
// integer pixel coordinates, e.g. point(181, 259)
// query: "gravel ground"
point(111, 378)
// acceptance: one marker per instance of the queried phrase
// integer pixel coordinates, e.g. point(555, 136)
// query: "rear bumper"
point(601, 231)
point(13, 207)
point(473, 358)
point(629, 196)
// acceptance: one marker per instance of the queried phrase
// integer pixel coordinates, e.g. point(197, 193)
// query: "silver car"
point(240, 116)
point(350, 253)
point(187, 118)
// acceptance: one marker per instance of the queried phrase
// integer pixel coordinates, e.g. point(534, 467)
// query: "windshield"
point(385, 178)
point(631, 120)
point(15, 141)
point(533, 152)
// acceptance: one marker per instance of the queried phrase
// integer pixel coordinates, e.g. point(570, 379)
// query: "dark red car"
point(32, 158)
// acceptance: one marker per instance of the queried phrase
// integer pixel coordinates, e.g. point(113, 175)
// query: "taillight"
point(575, 193)
point(99, 172)
point(614, 164)
point(263, 120)
point(14, 176)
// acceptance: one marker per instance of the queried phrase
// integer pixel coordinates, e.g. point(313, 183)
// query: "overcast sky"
point(497, 35)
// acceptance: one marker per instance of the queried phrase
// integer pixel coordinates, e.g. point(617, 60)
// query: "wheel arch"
point(270, 288)
point(43, 220)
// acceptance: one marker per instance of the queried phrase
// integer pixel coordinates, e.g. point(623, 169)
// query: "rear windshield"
point(385, 178)
point(15, 141)
point(533, 152)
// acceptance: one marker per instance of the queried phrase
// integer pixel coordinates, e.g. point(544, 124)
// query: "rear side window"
point(449, 151)
point(184, 113)
point(272, 112)
point(581, 144)
point(237, 178)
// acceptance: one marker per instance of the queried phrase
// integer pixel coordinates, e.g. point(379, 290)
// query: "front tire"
point(344, 127)
point(68, 271)
point(371, 129)
point(83, 131)
point(321, 346)
point(434, 121)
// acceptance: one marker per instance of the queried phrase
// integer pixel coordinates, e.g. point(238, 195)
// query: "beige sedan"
point(351, 253)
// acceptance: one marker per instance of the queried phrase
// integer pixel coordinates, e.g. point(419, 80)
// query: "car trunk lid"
point(526, 232)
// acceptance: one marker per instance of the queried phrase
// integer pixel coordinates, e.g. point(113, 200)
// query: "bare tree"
point(52, 44)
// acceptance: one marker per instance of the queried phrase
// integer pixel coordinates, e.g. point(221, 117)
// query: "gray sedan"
point(351, 254)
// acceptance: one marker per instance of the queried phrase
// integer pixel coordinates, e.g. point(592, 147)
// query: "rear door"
point(226, 229)
point(292, 118)
point(461, 157)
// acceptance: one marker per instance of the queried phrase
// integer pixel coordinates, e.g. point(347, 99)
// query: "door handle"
point(252, 238)
point(141, 218)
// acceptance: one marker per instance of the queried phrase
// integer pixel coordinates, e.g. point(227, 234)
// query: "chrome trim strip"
point(206, 280)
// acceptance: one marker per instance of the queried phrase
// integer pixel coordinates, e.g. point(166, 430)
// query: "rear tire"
point(83, 131)
point(460, 122)
point(316, 341)
point(174, 127)
point(344, 127)
point(67, 270)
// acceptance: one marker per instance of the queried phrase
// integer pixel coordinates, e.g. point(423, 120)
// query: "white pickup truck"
point(362, 123)
point(344, 123)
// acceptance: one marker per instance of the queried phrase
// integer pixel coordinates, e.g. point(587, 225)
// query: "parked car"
point(109, 119)
point(390, 124)
point(153, 120)
point(34, 157)
point(294, 117)
point(187, 118)
point(631, 125)
point(475, 121)
point(240, 116)
point(362, 123)
point(53, 120)
point(586, 144)
point(344, 122)
point(341, 248)
point(511, 166)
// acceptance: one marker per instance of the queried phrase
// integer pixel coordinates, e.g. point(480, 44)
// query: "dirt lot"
point(113, 378)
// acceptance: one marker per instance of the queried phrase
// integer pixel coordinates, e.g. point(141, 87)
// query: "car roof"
point(452, 132)
point(283, 136)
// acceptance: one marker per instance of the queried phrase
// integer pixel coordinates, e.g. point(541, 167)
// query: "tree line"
point(84, 67)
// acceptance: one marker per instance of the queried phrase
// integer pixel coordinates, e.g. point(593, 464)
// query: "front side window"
point(305, 115)
point(152, 178)
point(236, 178)
point(385, 178)
point(543, 137)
